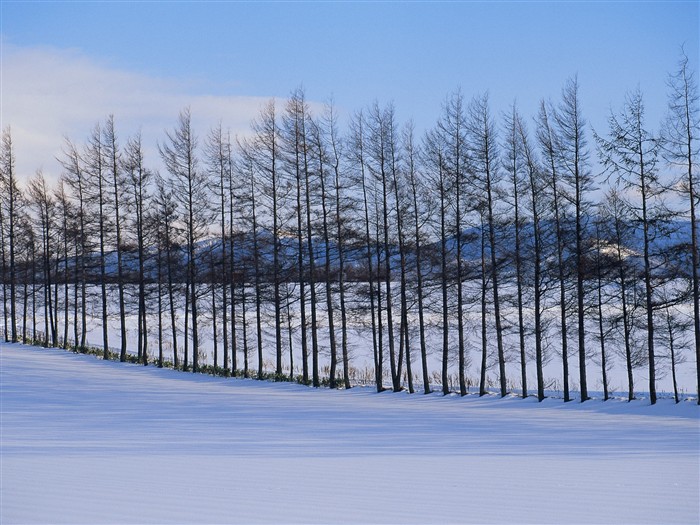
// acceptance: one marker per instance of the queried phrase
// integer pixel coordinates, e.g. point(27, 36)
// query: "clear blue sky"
point(233, 54)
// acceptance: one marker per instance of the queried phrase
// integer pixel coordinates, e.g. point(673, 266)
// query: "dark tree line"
point(490, 236)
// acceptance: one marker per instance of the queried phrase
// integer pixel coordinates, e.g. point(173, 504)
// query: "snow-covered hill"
point(89, 441)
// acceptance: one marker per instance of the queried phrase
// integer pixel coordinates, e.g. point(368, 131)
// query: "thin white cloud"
point(48, 94)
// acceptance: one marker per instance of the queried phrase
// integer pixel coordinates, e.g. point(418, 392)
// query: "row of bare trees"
point(489, 235)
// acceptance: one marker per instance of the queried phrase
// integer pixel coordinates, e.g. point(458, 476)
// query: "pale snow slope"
point(88, 441)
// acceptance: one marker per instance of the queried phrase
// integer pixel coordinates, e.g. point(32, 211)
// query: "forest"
point(492, 239)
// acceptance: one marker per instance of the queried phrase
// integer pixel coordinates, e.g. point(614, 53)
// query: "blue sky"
point(66, 65)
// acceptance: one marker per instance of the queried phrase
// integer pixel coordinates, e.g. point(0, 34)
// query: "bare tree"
point(252, 202)
point(95, 169)
point(571, 146)
point(27, 255)
point(139, 180)
point(266, 154)
point(601, 268)
point(680, 139)
point(453, 128)
point(380, 144)
point(514, 164)
point(232, 187)
point(293, 126)
point(536, 185)
point(319, 144)
point(358, 160)
point(114, 179)
point(77, 180)
point(614, 214)
point(217, 153)
point(415, 184)
point(315, 378)
point(167, 236)
point(434, 153)
point(630, 154)
point(484, 154)
point(42, 201)
point(9, 200)
point(180, 158)
point(398, 179)
point(336, 156)
point(65, 211)
point(3, 261)
point(548, 144)
point(673, 335)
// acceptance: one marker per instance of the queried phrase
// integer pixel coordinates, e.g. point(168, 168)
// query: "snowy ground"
point(88, 441)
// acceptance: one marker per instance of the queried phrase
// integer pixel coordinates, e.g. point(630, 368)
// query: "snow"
point(90, 441)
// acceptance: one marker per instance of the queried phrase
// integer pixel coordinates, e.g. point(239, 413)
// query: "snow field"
point(89, 441)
